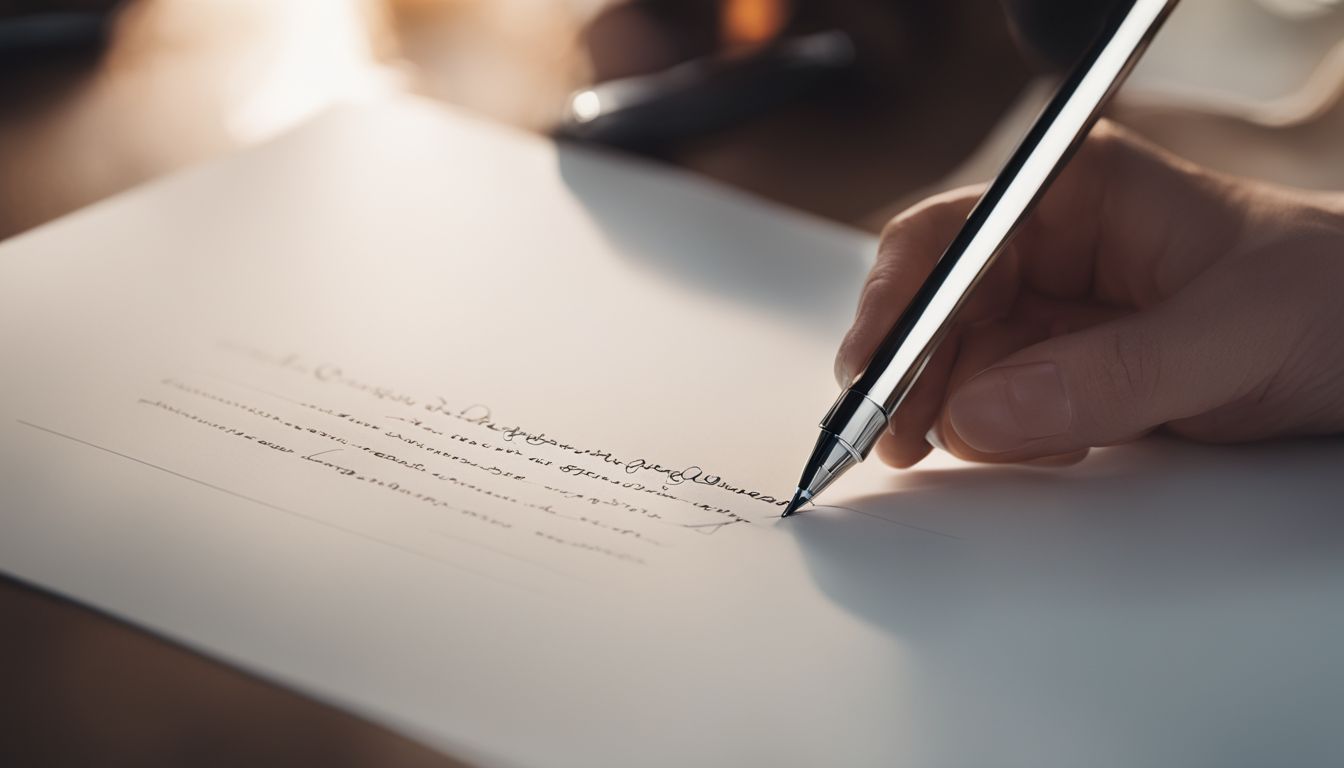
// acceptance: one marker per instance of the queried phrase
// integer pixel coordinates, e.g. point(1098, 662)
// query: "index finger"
point(1125, 224)
point(910, 245)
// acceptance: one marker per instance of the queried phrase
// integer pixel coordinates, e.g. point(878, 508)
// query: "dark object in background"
point(664, 75)
point(34, 31)
point(1057, 32)
point(670, 71)
point(928, 81)
point(707, 94)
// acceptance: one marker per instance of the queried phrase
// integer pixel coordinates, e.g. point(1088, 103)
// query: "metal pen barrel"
point(1059, 130)
point(858, 418)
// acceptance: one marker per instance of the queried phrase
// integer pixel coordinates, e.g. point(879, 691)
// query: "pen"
point(853, 425)
point(708, 94)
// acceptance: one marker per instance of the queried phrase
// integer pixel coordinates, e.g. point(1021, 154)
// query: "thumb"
point(1107, 384)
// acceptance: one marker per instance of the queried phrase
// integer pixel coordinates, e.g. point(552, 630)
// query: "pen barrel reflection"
point(1061, 127)
point(856, 421)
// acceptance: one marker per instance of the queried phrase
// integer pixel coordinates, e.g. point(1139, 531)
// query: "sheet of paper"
point(486, 440)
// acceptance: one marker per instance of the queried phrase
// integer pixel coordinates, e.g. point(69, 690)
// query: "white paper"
point(461, 432)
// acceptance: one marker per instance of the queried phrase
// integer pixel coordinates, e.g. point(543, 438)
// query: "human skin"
point(1144, 293)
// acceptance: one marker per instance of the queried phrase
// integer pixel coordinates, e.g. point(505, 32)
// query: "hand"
point(1144, 293)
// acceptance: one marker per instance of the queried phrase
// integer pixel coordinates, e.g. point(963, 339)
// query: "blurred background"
point(97, 96)
point(846, 109)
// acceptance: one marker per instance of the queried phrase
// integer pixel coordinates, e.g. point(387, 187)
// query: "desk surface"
point(80, 687)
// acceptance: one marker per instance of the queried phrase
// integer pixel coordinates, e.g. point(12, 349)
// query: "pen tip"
point(800, 498)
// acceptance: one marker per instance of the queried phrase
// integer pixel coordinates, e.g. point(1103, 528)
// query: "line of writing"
point(405, 491)
point(707, 528)
point(480, 415)
point(275, 507)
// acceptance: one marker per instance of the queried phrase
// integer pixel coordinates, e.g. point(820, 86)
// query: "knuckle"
point(851, 349)
point(1104, 148)
point(925, 219)
point(1105, 138)
point(880, 286)
point(893, 228)
point(1131, 371)
point(894, 244)
point(883, 274)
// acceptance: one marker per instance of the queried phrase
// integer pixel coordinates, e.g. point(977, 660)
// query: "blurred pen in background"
point(813, 102)
point(707, 94)
point(761, 67)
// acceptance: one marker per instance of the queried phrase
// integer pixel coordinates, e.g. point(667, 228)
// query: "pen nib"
point(799, 499)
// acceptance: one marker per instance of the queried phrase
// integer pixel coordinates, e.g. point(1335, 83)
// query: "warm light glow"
point(751, 22)
point(306, 55)
point(585, 106)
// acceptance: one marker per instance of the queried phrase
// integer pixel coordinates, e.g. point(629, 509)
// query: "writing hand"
point(1144, 293)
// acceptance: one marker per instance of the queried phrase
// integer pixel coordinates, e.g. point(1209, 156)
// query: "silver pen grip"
point(857, 422)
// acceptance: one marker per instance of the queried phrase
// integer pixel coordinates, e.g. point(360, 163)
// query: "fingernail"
point(936, 440)
point(1003, 409)
point(842, 375)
